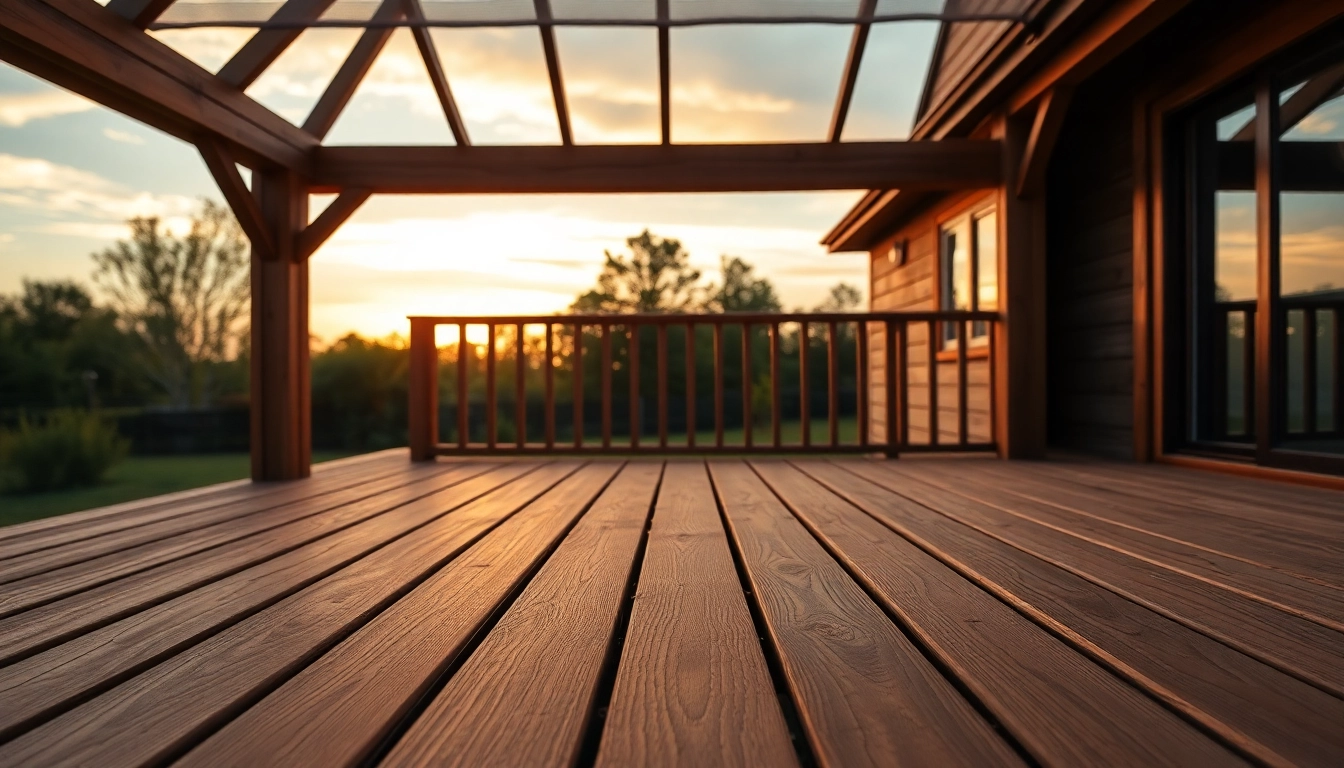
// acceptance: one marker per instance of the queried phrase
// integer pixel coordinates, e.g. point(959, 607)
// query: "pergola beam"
point(950, 164)
point(425, 42)
point(267, 44)
point(91, 51)
point(851, 72)
point(1040, 145)
point(552, 55)
point(353, 70)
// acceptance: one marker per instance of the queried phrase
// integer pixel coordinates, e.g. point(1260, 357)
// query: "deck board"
point(530, 612)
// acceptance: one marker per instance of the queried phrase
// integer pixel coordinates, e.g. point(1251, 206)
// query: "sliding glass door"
point(1262, 293)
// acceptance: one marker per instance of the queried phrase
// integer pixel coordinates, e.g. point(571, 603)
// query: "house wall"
point(913, 286)
point(965, 42)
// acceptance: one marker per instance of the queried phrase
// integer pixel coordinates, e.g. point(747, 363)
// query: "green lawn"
point(136, 478)
point(790, 433)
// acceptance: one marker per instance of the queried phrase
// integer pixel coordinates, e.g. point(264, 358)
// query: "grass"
point(136, 478)
point(790, 433)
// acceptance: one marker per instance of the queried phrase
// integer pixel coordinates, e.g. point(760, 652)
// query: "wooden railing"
point(1234, 338)
point(563, 344)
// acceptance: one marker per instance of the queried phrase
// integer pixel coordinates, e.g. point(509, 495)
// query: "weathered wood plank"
point(1024, 676)
point(45, 587)
point(340, 708)
point(1302, 648)
point(303, 494)
point(864, 692)
point(692, 688)
point(1270, 715)
point(39, 628)
point(148, 718)
point(123, 516)
point(1094, 519)
point(50, 682)
point(535, 675)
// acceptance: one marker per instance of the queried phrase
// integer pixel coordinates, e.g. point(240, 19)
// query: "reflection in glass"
point(1237, 327)
point(1234, 251)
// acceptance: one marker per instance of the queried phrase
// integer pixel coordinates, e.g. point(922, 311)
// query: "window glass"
point(987, 262)
point(968, 271)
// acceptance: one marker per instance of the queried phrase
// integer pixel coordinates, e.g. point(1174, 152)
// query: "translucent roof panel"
point(292, 85)
point(499, 81)
point(395, 103)
point(883, 107)
point(209, 48)
point(611, 104)
point(755, 83)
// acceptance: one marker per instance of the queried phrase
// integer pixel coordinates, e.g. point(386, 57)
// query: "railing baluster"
point(576, 385)
point(893, 378)
point(606, 385)
point(633, 356)
point(549, 373)
point(861, 393)
point(1309, 386)
point(1222, 327)
point(963, 391)
point(690, 384)
point(993, 383)
point(662, 385)
point(1248, 373)
point(932, 349)
point(462, 405)
point(520, 389)
point(833, 384)
point(718, 383)
point(1337, 382)
point(490, 394)
point(903, 382)
point(746, 385)
point(776, 435)
point(804, 386)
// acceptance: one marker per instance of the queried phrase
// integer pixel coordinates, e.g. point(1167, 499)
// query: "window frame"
point(963, 223)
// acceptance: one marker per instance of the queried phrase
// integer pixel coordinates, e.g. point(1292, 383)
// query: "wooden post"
point(424, 391)
point(1019, 391)
point(280, 401)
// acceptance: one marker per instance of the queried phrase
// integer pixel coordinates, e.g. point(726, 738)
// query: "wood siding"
point(964, 43)
point(1090, 272)
point(913, 287)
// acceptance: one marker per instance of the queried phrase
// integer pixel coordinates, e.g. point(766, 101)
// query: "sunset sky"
point(71, 172)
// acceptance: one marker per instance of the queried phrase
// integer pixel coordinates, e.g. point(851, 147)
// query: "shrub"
point(70, 449)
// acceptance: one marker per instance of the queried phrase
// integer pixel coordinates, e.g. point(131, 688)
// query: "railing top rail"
point(708, 318)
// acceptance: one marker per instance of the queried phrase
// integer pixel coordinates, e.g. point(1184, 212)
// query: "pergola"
point(107, 55)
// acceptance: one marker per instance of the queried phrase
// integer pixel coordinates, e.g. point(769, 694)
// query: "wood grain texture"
point(1265, 712)
point(1122, 527)
point(305, 495)
point(535, 676)
point(1061, 706)
point(78, 526)
point(44, 587)
point(147, 719)
point(47, 625)
point(338, 709)
point(1302, 648)
point(865, 694)
point(692, 688)
point(48, 682)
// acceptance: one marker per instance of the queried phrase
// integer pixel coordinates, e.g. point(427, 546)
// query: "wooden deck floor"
point(856, 612)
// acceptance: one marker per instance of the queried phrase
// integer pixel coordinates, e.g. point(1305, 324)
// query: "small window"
point(968, 272)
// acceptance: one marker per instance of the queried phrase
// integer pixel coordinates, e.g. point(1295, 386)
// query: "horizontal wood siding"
point(964, 43)
point(911, 287)
point(1090, 265)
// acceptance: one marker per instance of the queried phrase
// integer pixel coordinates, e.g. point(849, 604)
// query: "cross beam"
point(949, 164)
point(91, 51)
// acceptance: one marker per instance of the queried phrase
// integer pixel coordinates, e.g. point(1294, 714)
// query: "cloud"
point(123, 136)
point(81, 203)
point(18, 109)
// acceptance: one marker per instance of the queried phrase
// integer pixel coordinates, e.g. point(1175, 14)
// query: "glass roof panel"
point(256, 11)
point(208, 48)
point(291, 86)
point(883, 106)
point(395, 103)
point(499, 80)
point(755, 83)
point(611, 104)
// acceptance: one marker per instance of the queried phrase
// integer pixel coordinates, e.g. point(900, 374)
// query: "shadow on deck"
point(853, 612)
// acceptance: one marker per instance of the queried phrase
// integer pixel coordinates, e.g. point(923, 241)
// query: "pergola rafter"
point(552, 55)
point(352, 71)
point(851, 71)
point(425, 42)
point(141, 13)
point(265, 47)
